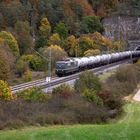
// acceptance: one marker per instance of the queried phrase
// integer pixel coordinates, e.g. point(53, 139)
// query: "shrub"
point(111, 101)
point(5, 91)
point(36, 63)
point(27, 76)
point(124, 81)
point(91, 95)
point(21, 66)
point(33, 62)
point(33, 95)
point(87, 80)
point(64, 91)
point(84, 111)
point(128, 73)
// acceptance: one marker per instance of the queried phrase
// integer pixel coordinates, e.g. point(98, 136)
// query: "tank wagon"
point(73, 65)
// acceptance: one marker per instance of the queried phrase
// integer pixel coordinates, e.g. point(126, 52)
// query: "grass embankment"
point(127, 128)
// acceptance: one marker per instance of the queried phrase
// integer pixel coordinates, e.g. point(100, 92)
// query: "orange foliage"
point(9, 1)
point(85, 6)
point(67, 9)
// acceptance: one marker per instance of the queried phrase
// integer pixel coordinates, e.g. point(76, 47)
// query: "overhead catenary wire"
point(40, 54)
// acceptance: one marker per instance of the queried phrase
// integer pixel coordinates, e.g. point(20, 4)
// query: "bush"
point(27, 76)
point(124, 81)
point(33, 62)
point(110, 101)
point(87, 80)
point(92, 96)
point(64, 91)
point(128, 73)
point(5, 91)
point(36, 63)
point(33, 95)
point(85, 111)
point(21, 66)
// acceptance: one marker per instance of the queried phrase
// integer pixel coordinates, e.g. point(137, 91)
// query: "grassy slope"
point(127, 128)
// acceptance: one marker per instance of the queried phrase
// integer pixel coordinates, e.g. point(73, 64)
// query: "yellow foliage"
point(54, 39)
point(92, 52)
point(138, 62)
point(28, 76)
point(118, 45)
point(57, 53)
point(10, 40)
point(5, 91)
point(71, 45)
point(45, 27)
point(100, 41)
point(1, 41)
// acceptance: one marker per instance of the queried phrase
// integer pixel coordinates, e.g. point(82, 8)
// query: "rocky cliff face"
point(122, 28)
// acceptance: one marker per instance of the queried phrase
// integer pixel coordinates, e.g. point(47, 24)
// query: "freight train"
point(73, 65)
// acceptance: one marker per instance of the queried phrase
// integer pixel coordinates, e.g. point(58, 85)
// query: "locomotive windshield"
point(61, 65)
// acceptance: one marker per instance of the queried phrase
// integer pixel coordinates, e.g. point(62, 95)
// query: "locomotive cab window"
point(60, 65)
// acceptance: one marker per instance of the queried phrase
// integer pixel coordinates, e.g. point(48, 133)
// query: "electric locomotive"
point(73, 65)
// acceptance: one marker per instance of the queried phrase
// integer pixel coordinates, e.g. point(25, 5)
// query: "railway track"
point(57, 81)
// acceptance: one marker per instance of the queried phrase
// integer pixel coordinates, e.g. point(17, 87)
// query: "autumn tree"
point(13, 11)
point(5, 91)
point(57, 53)
point(7, 61)
point(44, 33)
point(68, 9)
point(91, 24)
point(117, 46)
point(85, 43)
point(45, 27)
point(23, 36)
point(11, 41)
point(53, 9)
point(4, 69)
point(62, 30)
point(73, 26)
point(71, 45)
point(100, 42)
point(85, 6)
point(21, 66)
point(88, 85)
point(2, 21)
point(29, 62)
point(40, 42)
point(92, 52)
point(103, 7)
point(54, 39)
point(87, 80)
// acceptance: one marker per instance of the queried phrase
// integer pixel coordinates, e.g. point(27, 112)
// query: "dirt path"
point(137, 96)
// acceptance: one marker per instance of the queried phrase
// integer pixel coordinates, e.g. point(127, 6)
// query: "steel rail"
point(56, 81)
